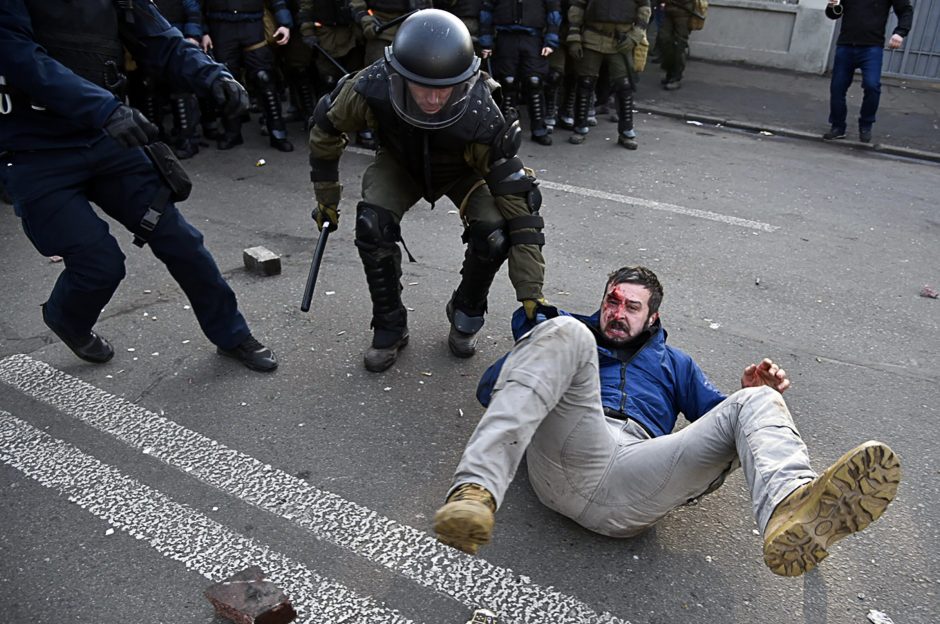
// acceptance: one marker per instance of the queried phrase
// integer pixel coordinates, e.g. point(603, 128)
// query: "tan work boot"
point(846, 498)
point(466, 519)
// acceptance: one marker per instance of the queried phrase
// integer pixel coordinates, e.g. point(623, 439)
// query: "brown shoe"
point(466, 519)
point(846, 498)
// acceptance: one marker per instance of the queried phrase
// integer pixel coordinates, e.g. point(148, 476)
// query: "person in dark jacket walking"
point(67, 140)
point(592, 402)
point(861, 46)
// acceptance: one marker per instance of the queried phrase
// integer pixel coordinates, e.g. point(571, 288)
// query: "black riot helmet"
point(432, 68)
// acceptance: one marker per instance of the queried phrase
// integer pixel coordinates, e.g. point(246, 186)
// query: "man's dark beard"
point(626, 349)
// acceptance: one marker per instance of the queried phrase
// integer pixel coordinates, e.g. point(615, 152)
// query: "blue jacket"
point(76, 109)
point(652, 387)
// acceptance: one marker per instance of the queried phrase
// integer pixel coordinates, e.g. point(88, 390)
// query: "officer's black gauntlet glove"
point(230, 95)
point(130, 128)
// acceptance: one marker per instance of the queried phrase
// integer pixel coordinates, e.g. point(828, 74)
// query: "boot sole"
point(381, 366)
point(849, 496)
point(464, 525)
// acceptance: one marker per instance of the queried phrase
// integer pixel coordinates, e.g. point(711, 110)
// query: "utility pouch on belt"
point(170, 170)
point(699, 13)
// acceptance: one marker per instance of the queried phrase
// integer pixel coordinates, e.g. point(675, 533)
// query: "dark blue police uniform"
point(55, 158)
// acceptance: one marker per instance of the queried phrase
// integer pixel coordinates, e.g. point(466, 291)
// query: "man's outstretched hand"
point(765, 374)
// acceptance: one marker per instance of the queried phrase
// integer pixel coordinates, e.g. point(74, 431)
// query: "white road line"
point(410, 552)
point(655, 205)
point(636, 201)
point(175, 530)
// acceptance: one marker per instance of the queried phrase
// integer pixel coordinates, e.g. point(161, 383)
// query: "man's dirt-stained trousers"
point(609, 475)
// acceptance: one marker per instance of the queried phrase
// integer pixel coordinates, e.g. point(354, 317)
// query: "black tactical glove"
point(230, 95)
point(369, 24)
point(130, 128)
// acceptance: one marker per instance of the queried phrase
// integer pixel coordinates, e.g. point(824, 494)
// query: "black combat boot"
point(566, 114)
point(89, 346)
point(232, 135)
point(252, 354)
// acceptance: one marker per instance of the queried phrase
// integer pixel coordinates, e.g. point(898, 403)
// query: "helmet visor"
point(429, 108)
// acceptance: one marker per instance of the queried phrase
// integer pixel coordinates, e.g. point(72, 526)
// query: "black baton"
point(315, 267)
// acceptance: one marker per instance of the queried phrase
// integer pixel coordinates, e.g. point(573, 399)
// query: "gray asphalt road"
point(126, 487)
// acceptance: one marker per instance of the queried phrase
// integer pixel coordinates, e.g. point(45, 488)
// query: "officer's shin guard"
point(626, 136)
point(487, 249)
point(536, 99)
point(302, 89)
point(582, 107)
point(510, 91)
point(552, 88)
point(377, 236)
point(271, 107)
point(185, 118)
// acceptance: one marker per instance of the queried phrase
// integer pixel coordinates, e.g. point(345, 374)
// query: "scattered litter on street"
point(765, 133)
point(929, 292)
point(692, 122)
point(879, 617)
point(55, 258)
point(261, 162)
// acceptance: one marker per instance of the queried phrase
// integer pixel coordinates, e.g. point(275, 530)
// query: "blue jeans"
point(848, 59)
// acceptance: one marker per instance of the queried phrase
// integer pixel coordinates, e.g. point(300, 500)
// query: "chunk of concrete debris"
point(483, 616)
point(262, 260)
point(879, 617)
point(248, 598)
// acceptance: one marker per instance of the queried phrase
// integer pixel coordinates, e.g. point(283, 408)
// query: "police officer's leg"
point(487, 248)
point(387, 193)
point(185, 118)
point(505, 67)
point(620, 67)
point(666, 42)
point(570, 93)
point(299, 70)
point(144, 95)
point(553, 84)
point(48, 189)
point(260, 64)
point(588, 68)
point(126, 186)
point(535, 69)
point(227, 44)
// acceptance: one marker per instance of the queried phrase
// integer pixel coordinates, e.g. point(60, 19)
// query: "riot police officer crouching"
point(67, 140)
point(440, 133)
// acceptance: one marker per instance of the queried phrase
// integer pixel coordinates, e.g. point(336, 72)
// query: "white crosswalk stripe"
point(175, 530)
point(410, 552)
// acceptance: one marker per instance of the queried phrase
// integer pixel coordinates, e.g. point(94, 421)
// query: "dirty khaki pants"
point(609, 475)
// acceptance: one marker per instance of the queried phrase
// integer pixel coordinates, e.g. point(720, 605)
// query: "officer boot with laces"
point(465, 522)
point(626, 135)
point(846, 498)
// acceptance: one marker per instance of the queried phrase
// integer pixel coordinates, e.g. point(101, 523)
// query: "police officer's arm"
point(575, 22)
point(337, 114)
point(518, 199)
point(156, 45)
point(193, 28)
point(281, 13)
point(44, 80)
point(552, 24)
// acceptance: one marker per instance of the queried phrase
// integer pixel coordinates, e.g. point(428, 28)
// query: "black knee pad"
point(376, 229)
point(533, 83)
point(623, 86)
point(487, 240)
point(554, 78)
point(587, 83)
point(263, 79)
